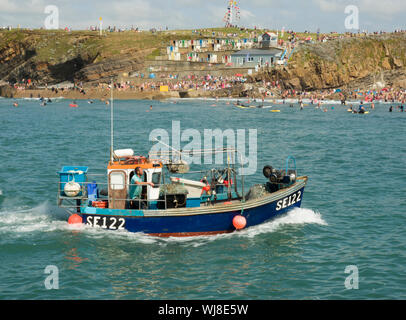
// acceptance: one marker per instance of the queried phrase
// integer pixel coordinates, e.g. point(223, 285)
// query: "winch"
point(279, 176)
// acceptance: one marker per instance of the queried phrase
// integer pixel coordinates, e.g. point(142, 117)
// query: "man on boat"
point(137, 181)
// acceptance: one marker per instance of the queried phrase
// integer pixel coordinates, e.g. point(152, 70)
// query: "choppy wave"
point(21, 220)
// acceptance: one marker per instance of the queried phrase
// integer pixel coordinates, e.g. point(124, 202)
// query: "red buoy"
point(239, 222)
point(75, 219)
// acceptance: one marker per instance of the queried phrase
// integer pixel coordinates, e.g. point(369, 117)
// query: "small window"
point(117, 180)
point(156, 179)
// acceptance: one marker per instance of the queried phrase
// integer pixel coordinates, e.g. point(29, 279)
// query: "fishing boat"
point(217, 203)
point(175, 201)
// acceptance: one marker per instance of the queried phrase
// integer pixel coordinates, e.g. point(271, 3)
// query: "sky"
point(298, 15)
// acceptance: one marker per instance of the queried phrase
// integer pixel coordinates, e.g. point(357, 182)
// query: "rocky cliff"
point(345, 63)
point(49, 57)
point(52, 57)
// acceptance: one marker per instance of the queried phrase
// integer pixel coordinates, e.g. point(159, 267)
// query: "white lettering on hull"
point(288, 201)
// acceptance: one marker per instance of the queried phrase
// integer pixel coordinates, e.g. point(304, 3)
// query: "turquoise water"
point(353, 211)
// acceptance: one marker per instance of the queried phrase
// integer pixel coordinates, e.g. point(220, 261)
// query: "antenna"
point(111, 122)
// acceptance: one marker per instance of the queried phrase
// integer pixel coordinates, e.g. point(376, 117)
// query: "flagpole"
point(101, 26)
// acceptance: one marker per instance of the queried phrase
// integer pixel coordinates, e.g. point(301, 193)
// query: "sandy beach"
point(96, 94)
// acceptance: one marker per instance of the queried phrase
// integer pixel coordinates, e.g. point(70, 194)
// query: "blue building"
point(256, 57)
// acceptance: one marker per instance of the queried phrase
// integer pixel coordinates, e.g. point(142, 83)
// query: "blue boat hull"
point(194, 222)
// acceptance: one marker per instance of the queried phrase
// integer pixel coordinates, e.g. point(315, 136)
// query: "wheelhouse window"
point(156, 179)
point(117, 180)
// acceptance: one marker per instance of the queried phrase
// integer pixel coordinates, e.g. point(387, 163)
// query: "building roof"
point(270, 34)
point(258, 52)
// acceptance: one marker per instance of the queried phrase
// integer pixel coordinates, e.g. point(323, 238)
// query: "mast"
point(111, 122)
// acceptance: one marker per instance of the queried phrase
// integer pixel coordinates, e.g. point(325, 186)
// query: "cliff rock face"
point(108, 68)
point(44, 58)
point(344, 63)
point(49, 58)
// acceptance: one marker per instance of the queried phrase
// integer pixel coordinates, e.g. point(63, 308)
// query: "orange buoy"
point(239, 222)
point(75, 219)
point(72, 105)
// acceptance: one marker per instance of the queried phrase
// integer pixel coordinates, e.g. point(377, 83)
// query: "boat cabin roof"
point(134, 162)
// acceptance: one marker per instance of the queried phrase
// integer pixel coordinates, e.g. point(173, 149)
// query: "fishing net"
point(173, 188)
point(257, 191)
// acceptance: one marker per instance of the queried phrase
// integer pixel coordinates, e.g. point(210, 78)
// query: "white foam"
point(296, 216)
point(21, 220)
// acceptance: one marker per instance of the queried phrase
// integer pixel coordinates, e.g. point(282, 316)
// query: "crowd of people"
point(176, 83)
point(268, 89)
point(368, 96)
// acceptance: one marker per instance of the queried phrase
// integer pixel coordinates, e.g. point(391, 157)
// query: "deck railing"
point(83, 198)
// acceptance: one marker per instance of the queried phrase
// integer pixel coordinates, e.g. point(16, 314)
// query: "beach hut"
point(268, 40)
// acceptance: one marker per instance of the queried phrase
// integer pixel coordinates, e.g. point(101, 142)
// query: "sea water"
point(353, 211)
